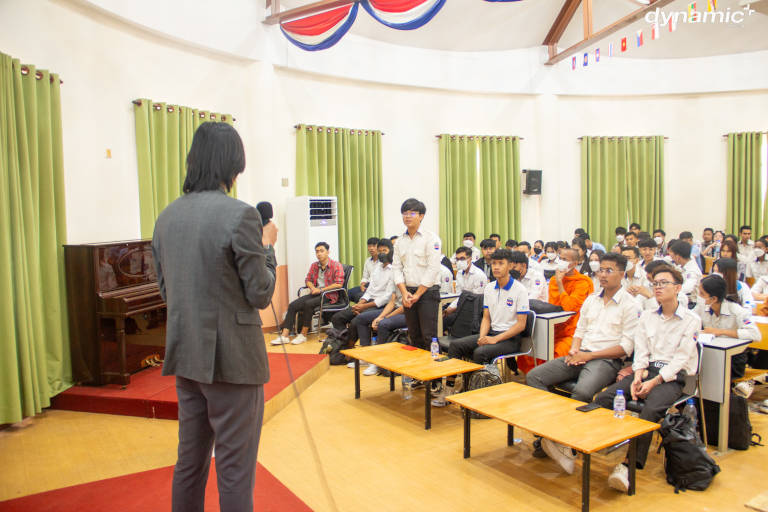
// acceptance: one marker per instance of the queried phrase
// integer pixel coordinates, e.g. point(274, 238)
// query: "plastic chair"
point(328, 307)
point(527, 346)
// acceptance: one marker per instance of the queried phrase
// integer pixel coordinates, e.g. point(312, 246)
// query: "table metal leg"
point(357, 378)
point(585, 482)
point(725, 407)
point(391, 381)
point(510, 435)
point(467, 419)
point(427, 405)
point(632, 456)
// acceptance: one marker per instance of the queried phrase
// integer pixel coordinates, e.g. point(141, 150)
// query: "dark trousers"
point(355, 294)
point(304, 307)
point(387, 326)
point(231, 416)
point(467, 347)
point(657, 402)
point(359, 325)
point(421, 318)
point(590, 377)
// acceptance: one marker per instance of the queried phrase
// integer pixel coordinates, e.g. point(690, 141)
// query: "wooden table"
point(716, 379)
point(417, 364)
point(554, 417)
point(544, 333)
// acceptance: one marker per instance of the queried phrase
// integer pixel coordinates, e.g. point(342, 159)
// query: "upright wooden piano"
point(117, 317)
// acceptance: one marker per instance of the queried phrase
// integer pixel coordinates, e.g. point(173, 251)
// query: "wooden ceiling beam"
point(605, 32)
point(300, 12)
point(561, 22)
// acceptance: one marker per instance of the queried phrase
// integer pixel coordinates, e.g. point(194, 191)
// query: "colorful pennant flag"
point(597, 54)
point(672, 23)
point(610, 49)
point(573, 63)
point(655, 31)
point(711, 5)
point(692, 12)
point(586, 59)
point(623, 44)
point(639, 38)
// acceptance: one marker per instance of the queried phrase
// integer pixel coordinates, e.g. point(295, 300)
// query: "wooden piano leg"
point(124, 377)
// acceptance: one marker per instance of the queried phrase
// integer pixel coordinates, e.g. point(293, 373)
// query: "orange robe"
point(577, 288)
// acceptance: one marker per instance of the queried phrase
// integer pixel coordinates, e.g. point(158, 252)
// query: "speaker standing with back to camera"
point(532, 181)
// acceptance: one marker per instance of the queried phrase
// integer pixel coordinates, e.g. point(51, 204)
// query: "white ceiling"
point(476, 25)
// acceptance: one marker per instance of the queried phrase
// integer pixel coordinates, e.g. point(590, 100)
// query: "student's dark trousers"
point(304, 307)
point(421, 317)
point(229, 415)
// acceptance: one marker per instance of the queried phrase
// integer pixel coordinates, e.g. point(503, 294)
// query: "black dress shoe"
point(538, 451)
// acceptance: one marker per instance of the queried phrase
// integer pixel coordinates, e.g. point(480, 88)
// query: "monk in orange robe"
point(568, 288)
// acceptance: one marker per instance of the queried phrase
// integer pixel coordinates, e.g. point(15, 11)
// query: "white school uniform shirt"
point(603, 326)
point(446, 278)
point(745, 293)
point(368, 268)
point(761, 285)
point(416, 261)
point(536, 285)
point(744, 257)
point(691, 277)
point(504, 303)
point(471, 280)
point(534, 266)
point(381, 287)
point(757, 269)
point(652, 304)
point(732, 316)
point(667, 340)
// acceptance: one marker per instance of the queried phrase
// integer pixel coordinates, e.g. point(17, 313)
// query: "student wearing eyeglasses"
point(665, 352)
point(603, 338)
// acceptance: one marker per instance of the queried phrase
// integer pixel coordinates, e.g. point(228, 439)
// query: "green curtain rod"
point(627, 137)
point(740, 134)
point(483, 136)
point(297, 126)
point(38, 74)
point(170, 109)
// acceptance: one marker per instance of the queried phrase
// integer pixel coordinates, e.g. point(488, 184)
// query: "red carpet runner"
point(147, 492)
point(151, 395)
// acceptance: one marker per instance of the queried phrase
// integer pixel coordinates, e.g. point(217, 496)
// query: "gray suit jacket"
point(215, 275)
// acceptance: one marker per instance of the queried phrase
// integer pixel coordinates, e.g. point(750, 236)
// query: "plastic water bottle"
point(690, 411)
point(406, 385)
point(435, 348)
point(619, 404)
point(373, 340)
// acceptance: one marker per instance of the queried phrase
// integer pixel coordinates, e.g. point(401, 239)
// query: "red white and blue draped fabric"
point(320, 31)
point(403, 14)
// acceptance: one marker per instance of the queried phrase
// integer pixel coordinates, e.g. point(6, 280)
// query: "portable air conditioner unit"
point(308, 220)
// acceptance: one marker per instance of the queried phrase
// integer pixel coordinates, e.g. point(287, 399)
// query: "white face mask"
point(594, 265)
point(758, 253)
point(551, 256)
point(668, 259)
point(630, 266)
point(658, 240)
point(469, 243)
point(462, 264)
point(619, 238)
point(563, 266)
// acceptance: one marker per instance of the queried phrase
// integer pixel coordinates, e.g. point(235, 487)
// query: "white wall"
point(106, 63)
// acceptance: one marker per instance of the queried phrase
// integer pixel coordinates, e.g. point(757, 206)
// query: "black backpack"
point(333, 344)
point(688, 465)
point(468, 315)
point(481, 379)
point(739, 427)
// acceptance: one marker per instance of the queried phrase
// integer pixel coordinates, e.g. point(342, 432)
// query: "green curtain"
point(622, 181)
point(603, 187)
point(460, 184)
point(645, 181)
point(479, 187)
point(34, 343)
point(744, 204)
point(347, 164)
point(163, 138)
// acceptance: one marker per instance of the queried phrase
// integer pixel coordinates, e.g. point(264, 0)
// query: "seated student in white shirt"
point(723, 317)
point(469, 242)
point(469, 278)
point(635, 281)
point(505, 307)
point(737, 291)
point(549, 261)
point(758, 267)
point(647, 248)
point(370, 263)
point(665, 352)
point(446, 280)
point(525, 248)
point(604, 336)
point(593, 262)
point(488, 247)
point(533, 280)
point(680, 252)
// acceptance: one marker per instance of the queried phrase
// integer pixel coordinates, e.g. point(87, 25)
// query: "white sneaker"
point(280, 340)
point(744, 389)
point(299, 339)
point(763, 407)
point(371, 370)
point(619, 479)
point(563, 455)
point(351, 364)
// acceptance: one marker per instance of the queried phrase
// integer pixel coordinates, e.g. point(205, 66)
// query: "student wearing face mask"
point(525, 248)
point(722, 317)
point(532, 280)
point(620, 232)
point(538, 249)
point(581, 247)
point(550, 260)
point(680, 251)
point(594, 265)
point(660, 237)
point(469, 278)
point(568, 289)
point(634, 280)
point(469, 242)
point(759, 266)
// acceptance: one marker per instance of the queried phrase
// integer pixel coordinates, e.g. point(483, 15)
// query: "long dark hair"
point(215, 158)
point(715, 286)
point(729, 268)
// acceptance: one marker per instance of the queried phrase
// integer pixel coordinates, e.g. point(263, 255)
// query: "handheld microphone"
point(265, 209)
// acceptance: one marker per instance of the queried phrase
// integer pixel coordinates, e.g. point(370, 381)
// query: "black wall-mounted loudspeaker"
point(532, 182)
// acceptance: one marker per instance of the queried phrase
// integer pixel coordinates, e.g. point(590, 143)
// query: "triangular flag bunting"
point(639, 38)
point(655, 31)
point(623, 44)
point(610, 49)
point(573, 63)
point(597, 54)
point(586, 59)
